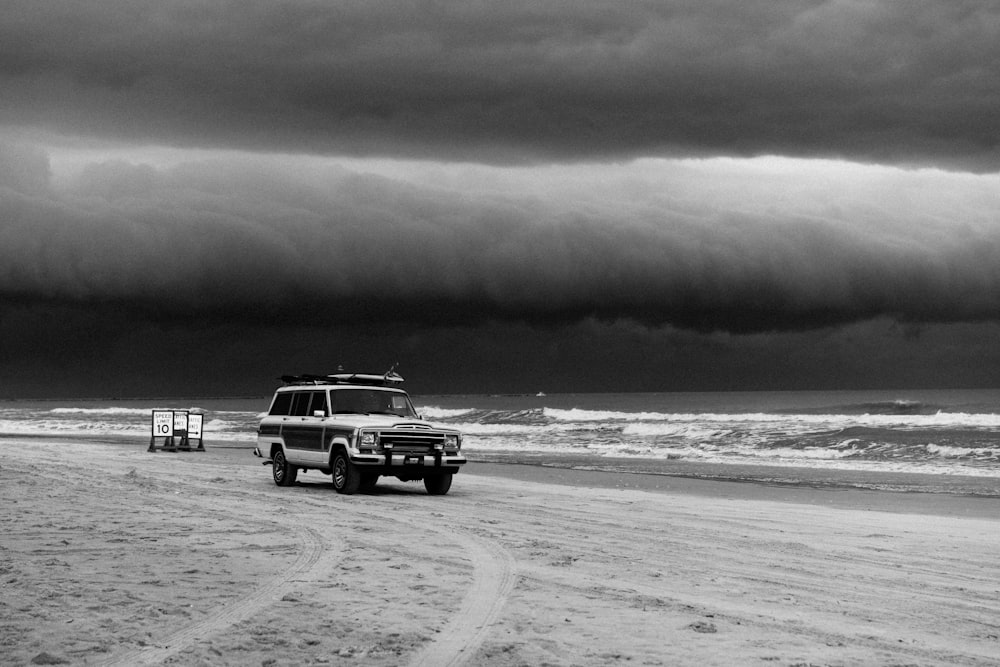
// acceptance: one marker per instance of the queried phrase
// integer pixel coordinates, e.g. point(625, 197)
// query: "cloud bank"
point(516, 82)
point(643, 195)
point(718, 245)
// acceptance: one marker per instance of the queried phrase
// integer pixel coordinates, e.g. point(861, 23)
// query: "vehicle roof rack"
point(389, 379)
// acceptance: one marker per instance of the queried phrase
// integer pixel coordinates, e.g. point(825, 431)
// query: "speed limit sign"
point(163, 423)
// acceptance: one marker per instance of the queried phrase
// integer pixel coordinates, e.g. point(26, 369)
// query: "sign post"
point(181, 424)
point(194, 430)
point(163, 427)
point(181, 429)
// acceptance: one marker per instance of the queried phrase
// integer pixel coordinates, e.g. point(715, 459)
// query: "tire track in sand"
point(313, 551)
point(493, 578)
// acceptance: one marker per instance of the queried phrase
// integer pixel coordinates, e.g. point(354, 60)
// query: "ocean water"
point(939, 432)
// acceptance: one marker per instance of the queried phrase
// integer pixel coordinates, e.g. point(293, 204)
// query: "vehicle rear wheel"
point(284, 473)
point(346, 478)
point(438, 485)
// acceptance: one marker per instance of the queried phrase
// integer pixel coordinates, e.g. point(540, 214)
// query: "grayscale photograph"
point(502, 334)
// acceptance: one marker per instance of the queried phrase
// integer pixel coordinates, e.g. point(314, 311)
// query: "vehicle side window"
point(282, 404)
point(300, 404)
point(318, 404)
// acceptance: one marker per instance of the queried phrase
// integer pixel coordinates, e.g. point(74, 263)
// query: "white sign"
point(180, 421)
point(163, 424)
point(194, 426)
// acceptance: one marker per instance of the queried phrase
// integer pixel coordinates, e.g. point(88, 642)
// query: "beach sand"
point(110, 554)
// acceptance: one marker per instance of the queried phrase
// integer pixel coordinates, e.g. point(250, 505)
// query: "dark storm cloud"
point(706, 246)
point(87, 351)
point(516, 81)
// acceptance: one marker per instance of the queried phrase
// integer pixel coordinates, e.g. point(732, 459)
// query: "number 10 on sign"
point(163, 424)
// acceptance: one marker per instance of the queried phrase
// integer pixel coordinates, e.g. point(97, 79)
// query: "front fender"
point(337, 444)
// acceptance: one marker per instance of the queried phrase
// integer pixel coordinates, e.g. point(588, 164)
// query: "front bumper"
point(404, 461)
point(390, 462)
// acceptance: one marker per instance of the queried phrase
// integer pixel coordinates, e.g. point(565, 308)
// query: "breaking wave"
point(960, 437)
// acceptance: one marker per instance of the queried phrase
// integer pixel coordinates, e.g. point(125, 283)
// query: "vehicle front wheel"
point(284, 473)
point(346, 478)
point(438, 485)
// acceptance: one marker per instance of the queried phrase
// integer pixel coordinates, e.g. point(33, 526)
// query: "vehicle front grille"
point(411, 441)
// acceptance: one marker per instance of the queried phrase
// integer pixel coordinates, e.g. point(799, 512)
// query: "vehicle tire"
point(368, 481)
point(346, 478)
point(438, 485)
point(284, 473)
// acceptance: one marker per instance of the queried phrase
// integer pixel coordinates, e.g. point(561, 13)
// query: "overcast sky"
point(501, 197)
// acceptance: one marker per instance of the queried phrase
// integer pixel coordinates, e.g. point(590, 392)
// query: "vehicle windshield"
point(371, 402)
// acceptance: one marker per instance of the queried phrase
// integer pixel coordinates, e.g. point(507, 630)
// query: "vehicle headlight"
point(369, 440)
point(450, 441)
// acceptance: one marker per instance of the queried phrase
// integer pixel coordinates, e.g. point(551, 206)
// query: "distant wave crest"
point(433, 412)
point(118, 411)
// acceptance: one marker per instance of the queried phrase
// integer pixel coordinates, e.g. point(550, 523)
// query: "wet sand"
point(113, 555)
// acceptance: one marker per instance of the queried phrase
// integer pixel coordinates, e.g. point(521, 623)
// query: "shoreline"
point(889, 491)
point(791, 476)
point(651, 475)
point(844, 496)
point(648, 473)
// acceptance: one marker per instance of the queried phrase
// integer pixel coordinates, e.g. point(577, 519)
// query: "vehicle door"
point(302, 429)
